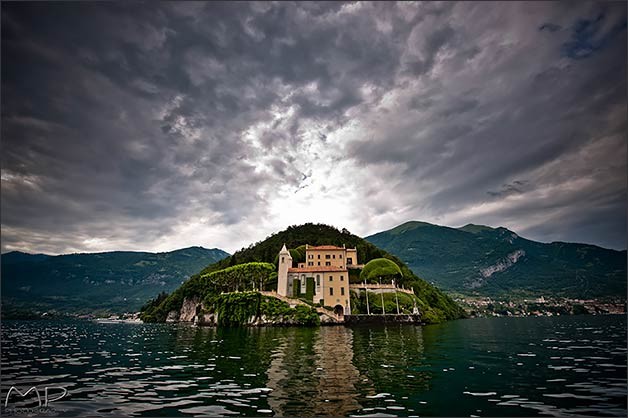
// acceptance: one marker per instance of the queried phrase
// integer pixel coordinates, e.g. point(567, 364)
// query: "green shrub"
point(236, 309)
point(274, 308)
point(380, 268)
point(297, 257)
point(406, 303)
point(306, 316)
point(241, 277)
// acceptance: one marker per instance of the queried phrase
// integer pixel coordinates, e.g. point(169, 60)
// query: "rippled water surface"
point(482, 367)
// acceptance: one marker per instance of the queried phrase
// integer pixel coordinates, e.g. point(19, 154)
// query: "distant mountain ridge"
point(19, 256)
point(114, 281)
point(481, 260)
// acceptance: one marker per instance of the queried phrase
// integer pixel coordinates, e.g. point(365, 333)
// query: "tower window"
point(342, 278)
point(342, 291)
point(331, 278)
point(282, 260)
point(331, 291)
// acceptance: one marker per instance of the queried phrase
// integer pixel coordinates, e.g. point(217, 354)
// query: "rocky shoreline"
point(193, 312)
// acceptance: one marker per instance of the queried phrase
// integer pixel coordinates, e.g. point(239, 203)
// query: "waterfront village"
point(539, 306)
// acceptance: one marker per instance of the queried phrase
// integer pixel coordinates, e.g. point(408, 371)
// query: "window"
point(310, 263)
point(331, 291)
point(319, 257)
point(340, 256)
point(327, 263)
point(327, 256)
point(331, 278)
point(281, 260)
point(319, 263)
point(333, 256)
point(342, 278)
point(349, 260)
point(342, 291)
point(318, 280)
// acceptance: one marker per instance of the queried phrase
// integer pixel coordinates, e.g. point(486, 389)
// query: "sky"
point(128, 127)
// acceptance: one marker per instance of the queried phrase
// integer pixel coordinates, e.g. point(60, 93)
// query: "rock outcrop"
point(173, 316)
point(189, 309)
point(502, 264)
point(193, 311)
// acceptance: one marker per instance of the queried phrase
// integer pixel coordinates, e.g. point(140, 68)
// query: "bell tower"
point(285, 262)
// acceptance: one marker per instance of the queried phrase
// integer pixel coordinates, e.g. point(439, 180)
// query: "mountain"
point(112, 281)
point(480, 260)
point(19, 257)
point(436, 305)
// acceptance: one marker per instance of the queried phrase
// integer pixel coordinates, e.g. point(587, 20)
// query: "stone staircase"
point(294, 302)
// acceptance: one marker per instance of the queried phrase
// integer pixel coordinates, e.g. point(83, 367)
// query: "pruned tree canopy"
point(380, 268)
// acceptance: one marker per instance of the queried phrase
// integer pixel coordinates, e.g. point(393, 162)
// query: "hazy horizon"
point(266, 236)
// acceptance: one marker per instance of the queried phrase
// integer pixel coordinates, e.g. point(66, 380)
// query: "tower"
point(285, 262)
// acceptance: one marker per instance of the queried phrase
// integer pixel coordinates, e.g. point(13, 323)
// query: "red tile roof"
point(315, 269)
point(325, 247)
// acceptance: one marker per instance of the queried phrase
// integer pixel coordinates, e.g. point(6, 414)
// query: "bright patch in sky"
point(199, 123)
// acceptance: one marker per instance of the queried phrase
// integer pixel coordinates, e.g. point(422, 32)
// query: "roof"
point(315, 269)
point(325, 247)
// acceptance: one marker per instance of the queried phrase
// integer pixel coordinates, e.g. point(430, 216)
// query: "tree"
point(380, 268)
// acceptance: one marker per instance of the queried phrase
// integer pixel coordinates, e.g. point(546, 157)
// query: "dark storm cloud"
point(125, 126)
point(524, 110)
point(516, 187)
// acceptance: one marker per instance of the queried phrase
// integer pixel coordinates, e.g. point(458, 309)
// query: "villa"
point(323, 277)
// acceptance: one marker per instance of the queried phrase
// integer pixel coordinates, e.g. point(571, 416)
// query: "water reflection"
point(492, 367)
point(312, 373)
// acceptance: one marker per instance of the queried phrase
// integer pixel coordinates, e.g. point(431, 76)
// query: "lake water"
point(483, 367)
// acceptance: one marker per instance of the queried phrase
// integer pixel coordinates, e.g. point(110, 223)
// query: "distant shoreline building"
point(322, 278)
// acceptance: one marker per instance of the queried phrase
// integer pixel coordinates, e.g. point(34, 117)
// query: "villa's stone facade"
point(325, 269)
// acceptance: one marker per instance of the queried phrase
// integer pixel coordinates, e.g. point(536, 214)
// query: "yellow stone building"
point(326, 269)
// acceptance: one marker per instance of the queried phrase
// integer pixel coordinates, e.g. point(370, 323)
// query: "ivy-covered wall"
point(239, 309)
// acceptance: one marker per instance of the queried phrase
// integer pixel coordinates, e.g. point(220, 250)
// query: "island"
point(304, 284)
